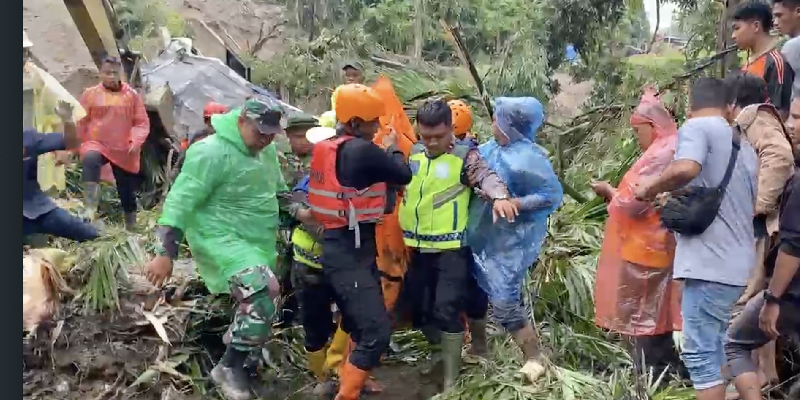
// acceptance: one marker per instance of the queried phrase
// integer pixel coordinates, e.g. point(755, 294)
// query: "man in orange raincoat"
point(113, 132)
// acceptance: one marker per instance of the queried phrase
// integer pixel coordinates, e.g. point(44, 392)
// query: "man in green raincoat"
point(225, 203)
point(294, 154)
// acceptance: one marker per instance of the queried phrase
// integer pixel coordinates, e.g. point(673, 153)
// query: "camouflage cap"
point(303, 120)
point(269, 118)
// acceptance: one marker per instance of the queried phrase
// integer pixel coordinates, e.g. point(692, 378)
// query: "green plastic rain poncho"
point(224, 200)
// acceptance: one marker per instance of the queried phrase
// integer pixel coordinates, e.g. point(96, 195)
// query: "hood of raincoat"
point(225, 201)
point(519, 117)
point(503, 251)
point(227, 127)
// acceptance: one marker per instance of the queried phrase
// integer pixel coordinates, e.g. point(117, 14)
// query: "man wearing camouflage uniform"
point(225, 202)
point(294, 154)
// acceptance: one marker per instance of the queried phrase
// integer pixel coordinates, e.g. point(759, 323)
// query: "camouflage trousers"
point(256, 291)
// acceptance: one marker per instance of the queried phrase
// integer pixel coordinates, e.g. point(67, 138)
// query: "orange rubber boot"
point(352, 382)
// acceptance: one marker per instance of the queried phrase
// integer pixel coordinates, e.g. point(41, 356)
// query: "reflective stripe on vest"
point(334, 205)
point(306, 250)
point(435, 208)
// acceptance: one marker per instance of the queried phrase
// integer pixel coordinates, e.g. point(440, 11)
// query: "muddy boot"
point(434, 364)
point(478, 346)
point(90, 201)
point(527, 340)
point(230, 377)
point(451, 357)
point(130, 221)
point(351, 383)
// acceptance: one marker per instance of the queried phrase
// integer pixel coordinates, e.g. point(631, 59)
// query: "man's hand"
point(390, 139)
point(304, 215)
point(64, 111)
point(661, 200)
point(603, 189)
point(504, 208)
point(63, 158)
point(159, 270)
point(768, 319)
point(640, 192)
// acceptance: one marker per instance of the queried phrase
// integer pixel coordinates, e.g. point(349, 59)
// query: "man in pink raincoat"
point(113, 131)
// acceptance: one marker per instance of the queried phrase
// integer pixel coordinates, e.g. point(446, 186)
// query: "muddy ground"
point(94, 359)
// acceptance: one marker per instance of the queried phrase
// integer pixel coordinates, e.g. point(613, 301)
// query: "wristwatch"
point(500, 197)
point(770, 298)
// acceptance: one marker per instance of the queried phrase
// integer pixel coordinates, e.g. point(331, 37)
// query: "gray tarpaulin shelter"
point(196, 80)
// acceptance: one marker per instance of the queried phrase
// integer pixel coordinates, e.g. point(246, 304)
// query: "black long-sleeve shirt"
point(789, 233)
point(360, 164)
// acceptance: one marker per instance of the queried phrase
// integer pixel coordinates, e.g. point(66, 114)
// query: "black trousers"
point(353, 278)
point(315, 297)
point(436, 287)
point(127, 182)
point(477, 303)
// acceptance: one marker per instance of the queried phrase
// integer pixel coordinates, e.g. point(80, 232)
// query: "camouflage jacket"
point(294, 169)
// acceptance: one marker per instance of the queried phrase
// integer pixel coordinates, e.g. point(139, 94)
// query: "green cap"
point(269, 118)
point(303, 120)
point(353, 64)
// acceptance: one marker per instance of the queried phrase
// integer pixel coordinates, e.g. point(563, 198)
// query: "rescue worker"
point(477, 303)
point(210, 109)
point(113, 132)
point(347, 195)
point(462, 122)
point(433, 217)
point(339, 345)
point(225, 203)
point(352, 72)
point(313, 294)
point(294, 154)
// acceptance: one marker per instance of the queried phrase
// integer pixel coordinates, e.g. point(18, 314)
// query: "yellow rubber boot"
point(316, 363)
point(336, 352)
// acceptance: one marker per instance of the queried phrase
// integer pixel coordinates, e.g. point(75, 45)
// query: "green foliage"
point(141, 20)
point(518, 44)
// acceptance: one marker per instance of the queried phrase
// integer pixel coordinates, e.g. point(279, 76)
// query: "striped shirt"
point(774, 69)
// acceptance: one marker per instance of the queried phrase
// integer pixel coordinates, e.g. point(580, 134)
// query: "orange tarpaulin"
point(393, 255)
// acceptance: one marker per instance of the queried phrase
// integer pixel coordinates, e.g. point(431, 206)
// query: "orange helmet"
point(357, 101)
point(462, 117)
point(212, 108)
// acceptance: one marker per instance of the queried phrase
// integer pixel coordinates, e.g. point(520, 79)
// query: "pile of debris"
point(87, 339)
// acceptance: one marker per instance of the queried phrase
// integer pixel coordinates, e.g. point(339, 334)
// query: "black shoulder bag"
point(691, 211)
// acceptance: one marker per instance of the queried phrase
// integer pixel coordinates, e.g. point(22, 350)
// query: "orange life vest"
point(333, 205)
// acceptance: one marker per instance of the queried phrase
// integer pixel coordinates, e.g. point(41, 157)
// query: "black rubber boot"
point(230, 377)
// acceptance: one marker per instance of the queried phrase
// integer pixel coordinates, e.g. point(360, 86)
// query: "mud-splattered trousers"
point(255, 291)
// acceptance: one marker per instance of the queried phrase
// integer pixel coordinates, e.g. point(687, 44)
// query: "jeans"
point(706, 311)
point(59, 222)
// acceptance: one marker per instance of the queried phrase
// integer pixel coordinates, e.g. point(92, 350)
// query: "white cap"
point(25, 41)
point(320, 133)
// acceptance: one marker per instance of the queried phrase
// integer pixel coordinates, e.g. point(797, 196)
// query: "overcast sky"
point(666, 13)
